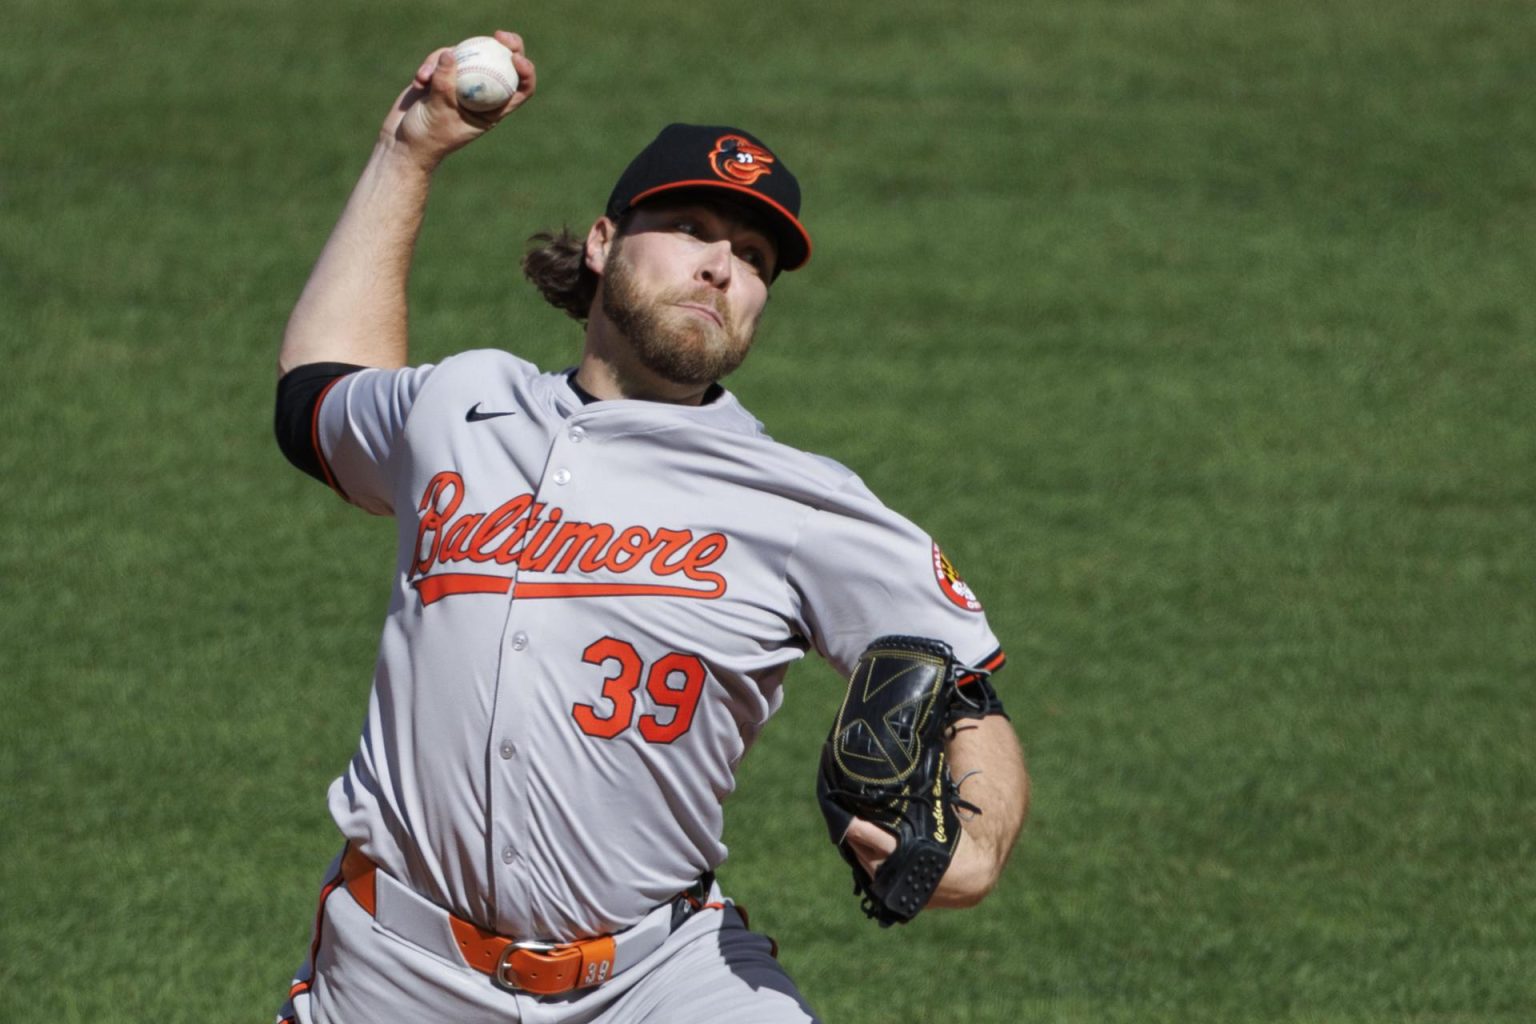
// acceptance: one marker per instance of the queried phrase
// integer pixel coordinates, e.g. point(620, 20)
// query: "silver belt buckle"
point(503, 963)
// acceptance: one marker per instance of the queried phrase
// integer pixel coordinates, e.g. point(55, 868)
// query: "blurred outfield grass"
point(1199, 333)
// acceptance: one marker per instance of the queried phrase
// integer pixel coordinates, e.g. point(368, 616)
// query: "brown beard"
point(670, 342)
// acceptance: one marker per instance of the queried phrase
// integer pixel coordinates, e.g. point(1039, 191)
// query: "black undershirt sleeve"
point(298, 392)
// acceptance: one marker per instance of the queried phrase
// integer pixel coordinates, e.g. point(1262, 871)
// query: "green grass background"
point(1201, 334)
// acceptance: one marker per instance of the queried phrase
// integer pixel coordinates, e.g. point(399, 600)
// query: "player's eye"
point(758, 257)
point(686, 227)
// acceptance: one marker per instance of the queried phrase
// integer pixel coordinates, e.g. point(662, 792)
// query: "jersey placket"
point(522, 652)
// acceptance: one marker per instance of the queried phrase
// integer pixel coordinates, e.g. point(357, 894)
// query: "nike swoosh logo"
point(475, 415)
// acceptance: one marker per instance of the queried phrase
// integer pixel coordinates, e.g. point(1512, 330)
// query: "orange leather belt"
point(540, 968)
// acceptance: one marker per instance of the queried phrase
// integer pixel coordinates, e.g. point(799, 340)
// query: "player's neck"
point(609, 370)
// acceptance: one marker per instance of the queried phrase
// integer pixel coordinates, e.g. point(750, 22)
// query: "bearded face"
point(666, 329)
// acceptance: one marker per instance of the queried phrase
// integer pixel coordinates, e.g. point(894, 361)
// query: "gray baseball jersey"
point(593, 611)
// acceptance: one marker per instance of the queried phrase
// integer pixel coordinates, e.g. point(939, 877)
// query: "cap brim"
point(794, 241)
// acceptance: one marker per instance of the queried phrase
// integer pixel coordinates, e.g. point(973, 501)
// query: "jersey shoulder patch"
point(950, 583)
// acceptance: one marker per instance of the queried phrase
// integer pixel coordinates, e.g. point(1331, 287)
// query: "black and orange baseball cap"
point(688, 158)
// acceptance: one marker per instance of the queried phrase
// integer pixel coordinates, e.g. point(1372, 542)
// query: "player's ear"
point(599, 241)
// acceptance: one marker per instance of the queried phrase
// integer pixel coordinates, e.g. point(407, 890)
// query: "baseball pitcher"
point(602, 577)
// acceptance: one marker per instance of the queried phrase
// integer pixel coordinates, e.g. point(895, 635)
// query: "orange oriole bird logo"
point(740, 161)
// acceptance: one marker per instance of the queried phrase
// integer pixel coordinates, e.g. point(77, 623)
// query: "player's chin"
point(696, 351)
point(720, 358)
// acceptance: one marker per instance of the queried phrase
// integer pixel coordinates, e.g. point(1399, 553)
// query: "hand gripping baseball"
point(884, 762)
point(427, 118)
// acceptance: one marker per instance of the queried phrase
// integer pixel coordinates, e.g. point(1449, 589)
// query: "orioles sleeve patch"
point(950, 583)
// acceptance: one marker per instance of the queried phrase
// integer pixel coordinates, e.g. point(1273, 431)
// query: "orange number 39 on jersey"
point(674, 681)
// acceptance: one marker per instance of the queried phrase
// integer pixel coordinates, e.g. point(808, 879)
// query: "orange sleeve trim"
point(996, 660)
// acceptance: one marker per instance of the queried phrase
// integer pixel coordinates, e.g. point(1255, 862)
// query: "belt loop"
point(691, 900)
point(359, 874)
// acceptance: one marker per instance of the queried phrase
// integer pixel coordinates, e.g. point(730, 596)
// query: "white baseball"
point(487, 78)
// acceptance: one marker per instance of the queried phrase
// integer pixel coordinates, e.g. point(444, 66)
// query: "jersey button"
point(519, 641)
point(506, 751)
point(577, 433)
point(508, 855)
point(562, 476)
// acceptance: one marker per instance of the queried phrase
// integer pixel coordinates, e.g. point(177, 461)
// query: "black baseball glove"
point(884, 762)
